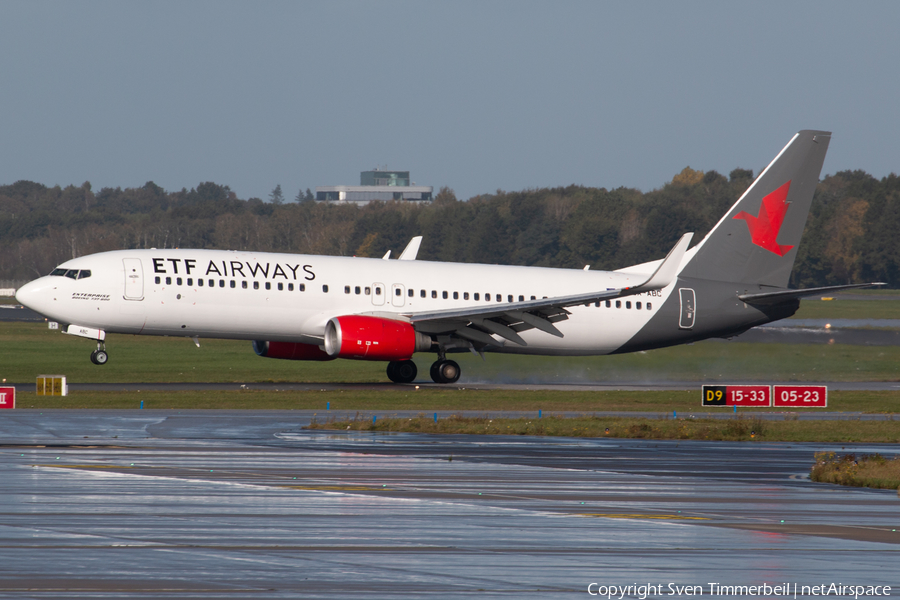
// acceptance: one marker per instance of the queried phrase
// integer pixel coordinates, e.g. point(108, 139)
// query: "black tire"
point(435, 372)
point(445, 371)
point(392, 371)
point(402, 371)
point(100, 357)
point(94, 357)
point(450, 371)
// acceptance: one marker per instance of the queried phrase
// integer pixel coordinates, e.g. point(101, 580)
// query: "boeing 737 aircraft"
point(302, 307)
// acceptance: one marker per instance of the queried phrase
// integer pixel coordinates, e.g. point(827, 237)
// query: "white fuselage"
point(290, 297)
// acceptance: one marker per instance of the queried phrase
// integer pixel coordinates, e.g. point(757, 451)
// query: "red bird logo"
point(764, 228)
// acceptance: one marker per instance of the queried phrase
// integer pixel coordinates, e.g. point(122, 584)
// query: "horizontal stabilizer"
point(782, 295)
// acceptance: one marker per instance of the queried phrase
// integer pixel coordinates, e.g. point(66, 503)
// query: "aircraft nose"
point(34, 294)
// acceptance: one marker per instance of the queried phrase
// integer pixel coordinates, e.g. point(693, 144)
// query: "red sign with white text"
point(7, 397)
point(801, 396)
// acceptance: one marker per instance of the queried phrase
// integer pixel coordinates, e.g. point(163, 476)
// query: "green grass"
point(371, 401)
point(741, 428)
point(815, 308)
point(30, 349)
point(871, 470)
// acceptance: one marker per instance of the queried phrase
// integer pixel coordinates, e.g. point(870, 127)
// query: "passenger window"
point(618, 304)
point(212, 283)
point(178, 280)
point(465, 295)
point(302, 287)
point(232, 284)
point(325, 289)
point(499, 297)
point(434, 293)
point(597, 304)
point(84, 274)
point(649, 306)
point(521, 298)
point(628, 304)
point(346, 289)
point(168, 281)
point(398, 292)
point(357, 290)
point(637, 305)
point(476, 296)
point(190, 281)
point(244, 284)
point(533, 298)
point(510, 298)
point(422, 293)
point(157, 279)
point(221, 283)
point(280, 287)
point(444, 295)
point(456, 295)
point(255, 285)
point(368, 291)
point(268, 285)
point(411, 293)
point(290, 287)
point(200, 283)
point(608, 304)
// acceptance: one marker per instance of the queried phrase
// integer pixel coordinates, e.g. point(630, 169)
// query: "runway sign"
point(51, 385)
point(7, 397)
point(737, 395)
point(801, 396)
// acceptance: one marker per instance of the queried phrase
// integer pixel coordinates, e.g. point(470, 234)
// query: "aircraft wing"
point(477, 323)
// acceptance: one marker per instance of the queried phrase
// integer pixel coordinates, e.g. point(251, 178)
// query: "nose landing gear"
point(99, 356)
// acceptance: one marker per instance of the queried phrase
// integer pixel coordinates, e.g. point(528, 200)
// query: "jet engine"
point(290, 351)
point(373, 338)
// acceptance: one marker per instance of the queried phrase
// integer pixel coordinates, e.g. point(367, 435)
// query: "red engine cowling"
point(290, 351)
point(372, 338)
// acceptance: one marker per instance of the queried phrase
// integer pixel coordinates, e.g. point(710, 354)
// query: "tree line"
point(851, 235)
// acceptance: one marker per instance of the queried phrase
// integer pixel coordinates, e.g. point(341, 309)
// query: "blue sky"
point(477, 96)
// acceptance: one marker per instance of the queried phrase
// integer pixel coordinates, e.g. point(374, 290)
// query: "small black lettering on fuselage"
point(235, 268)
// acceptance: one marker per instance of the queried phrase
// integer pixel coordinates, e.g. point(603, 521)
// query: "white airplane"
point(303, 307)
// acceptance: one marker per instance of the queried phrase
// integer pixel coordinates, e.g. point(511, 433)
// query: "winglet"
point(412, 249)
point(668, 269)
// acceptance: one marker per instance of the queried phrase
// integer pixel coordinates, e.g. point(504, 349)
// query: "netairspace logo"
point(715, 589)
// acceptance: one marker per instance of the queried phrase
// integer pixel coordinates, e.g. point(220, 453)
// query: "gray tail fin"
point(756, 241)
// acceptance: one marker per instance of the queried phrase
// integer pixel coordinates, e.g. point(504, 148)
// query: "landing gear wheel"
point(99, 357)
point(402, 371)
point(445, 371)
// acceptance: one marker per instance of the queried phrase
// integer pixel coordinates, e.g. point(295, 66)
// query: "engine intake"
point(373, 338)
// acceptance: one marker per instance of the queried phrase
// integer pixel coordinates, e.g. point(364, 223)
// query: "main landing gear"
point(445, 371)
point(99, 356)
point(405, 371)
point(402, 371)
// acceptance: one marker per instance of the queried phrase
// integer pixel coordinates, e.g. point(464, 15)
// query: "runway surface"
point(219, 504)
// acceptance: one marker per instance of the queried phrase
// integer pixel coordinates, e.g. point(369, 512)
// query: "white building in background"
point(376, 185)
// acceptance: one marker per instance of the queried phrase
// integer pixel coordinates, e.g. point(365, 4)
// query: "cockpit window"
point(71, 273)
